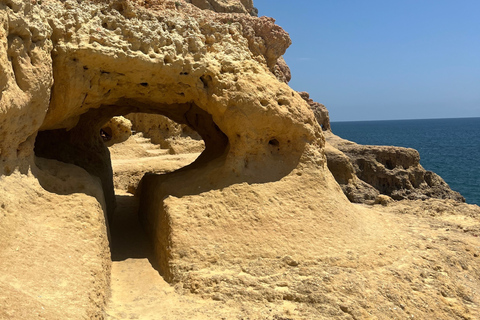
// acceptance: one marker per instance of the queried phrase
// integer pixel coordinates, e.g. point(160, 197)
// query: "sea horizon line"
point(413, 119)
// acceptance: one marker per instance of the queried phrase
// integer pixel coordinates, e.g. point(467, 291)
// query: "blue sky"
point(382, 60)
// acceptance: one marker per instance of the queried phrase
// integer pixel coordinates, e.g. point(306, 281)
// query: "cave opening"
point(143, 143)
point(162, 139)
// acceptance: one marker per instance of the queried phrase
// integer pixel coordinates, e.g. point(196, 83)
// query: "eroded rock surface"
point(168, 134)
point(320, 111)
point(116, 130)
point(226, 6)
point(107, 59)
point(365, 172)
point(256, 221)
point(392, 171)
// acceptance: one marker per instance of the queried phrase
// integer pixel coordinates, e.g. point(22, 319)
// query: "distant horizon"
point(384, 60)
point(374, 120)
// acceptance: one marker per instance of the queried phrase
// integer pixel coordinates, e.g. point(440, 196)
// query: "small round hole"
point(274, 142)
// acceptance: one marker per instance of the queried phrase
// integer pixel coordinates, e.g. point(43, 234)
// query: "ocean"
point(448, 147)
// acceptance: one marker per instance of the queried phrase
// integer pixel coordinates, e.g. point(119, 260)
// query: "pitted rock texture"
point(25, 81)
point(226, 6)
point(168, 134)
point(353, 187)
point(320, 111)
point(282, 71)
point(257, 221)
point(192, 66)
point(213, 72)
point(392, 171)
point(365, 172)
point(116, 130)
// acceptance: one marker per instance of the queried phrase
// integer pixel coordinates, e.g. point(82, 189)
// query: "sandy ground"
point(411, 260)
point(138, 290)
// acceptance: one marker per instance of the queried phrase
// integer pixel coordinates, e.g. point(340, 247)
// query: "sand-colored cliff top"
point(255, 227)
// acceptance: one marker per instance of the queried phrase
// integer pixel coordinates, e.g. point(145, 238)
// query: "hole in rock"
point(206, 80)
point(106, 134)
point(283, 102)
point(153, 143)
point(389, 165)
point(116, 153)
point(274, 142)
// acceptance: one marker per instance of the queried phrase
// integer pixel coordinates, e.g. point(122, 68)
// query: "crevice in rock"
point(84, 146)
point(129, 240)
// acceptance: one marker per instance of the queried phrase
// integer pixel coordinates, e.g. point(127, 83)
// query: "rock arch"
point(90, 61)
point(217, 77)
point(259, 210)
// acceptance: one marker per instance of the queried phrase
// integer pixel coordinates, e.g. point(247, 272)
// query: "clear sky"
point(384, 59)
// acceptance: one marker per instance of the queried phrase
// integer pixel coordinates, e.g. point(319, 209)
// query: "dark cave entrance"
point(85, 146)
point(156, 145)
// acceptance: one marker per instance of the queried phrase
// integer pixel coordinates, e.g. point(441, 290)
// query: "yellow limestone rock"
point(257, 219)
point(116, 130)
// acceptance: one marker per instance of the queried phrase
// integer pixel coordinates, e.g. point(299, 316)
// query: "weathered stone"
point(112, 58)
point(383, 200)
point(168, 134)
point(320, 111)
point(226, 6)
point(282, 71)
point(393, 171)
point(116, 130)
point(221, 226)
point(340, 166)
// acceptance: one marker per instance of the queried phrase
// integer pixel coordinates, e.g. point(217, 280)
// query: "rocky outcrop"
point(116, 130)
point(282, 71)
point(319, 110)
point(257, 219)
point(169, 135)
point(364, 172)
point(129, 82)
point(392, 171)
point(226, 6)
point(112, 58)
point(340, 165)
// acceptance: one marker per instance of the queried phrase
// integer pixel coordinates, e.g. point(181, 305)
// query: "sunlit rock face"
point(226, 6)
point(364, 172)
point(68, 67)
point(257, 219)
point(210, 71)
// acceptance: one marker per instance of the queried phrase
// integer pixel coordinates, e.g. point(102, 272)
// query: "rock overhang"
point(213, 72)
point(265, 196)
point(106, 53)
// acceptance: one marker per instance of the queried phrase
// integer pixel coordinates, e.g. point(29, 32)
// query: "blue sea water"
point(448, 147)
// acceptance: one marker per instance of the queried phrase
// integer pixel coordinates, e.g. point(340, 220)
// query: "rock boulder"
point(392, 171)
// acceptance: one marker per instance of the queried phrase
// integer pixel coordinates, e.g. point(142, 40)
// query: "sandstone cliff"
point(68, 67)
point(227, 6)
point(364, 172)
point(167, 134)
point(392, 171)
point(255, 227)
